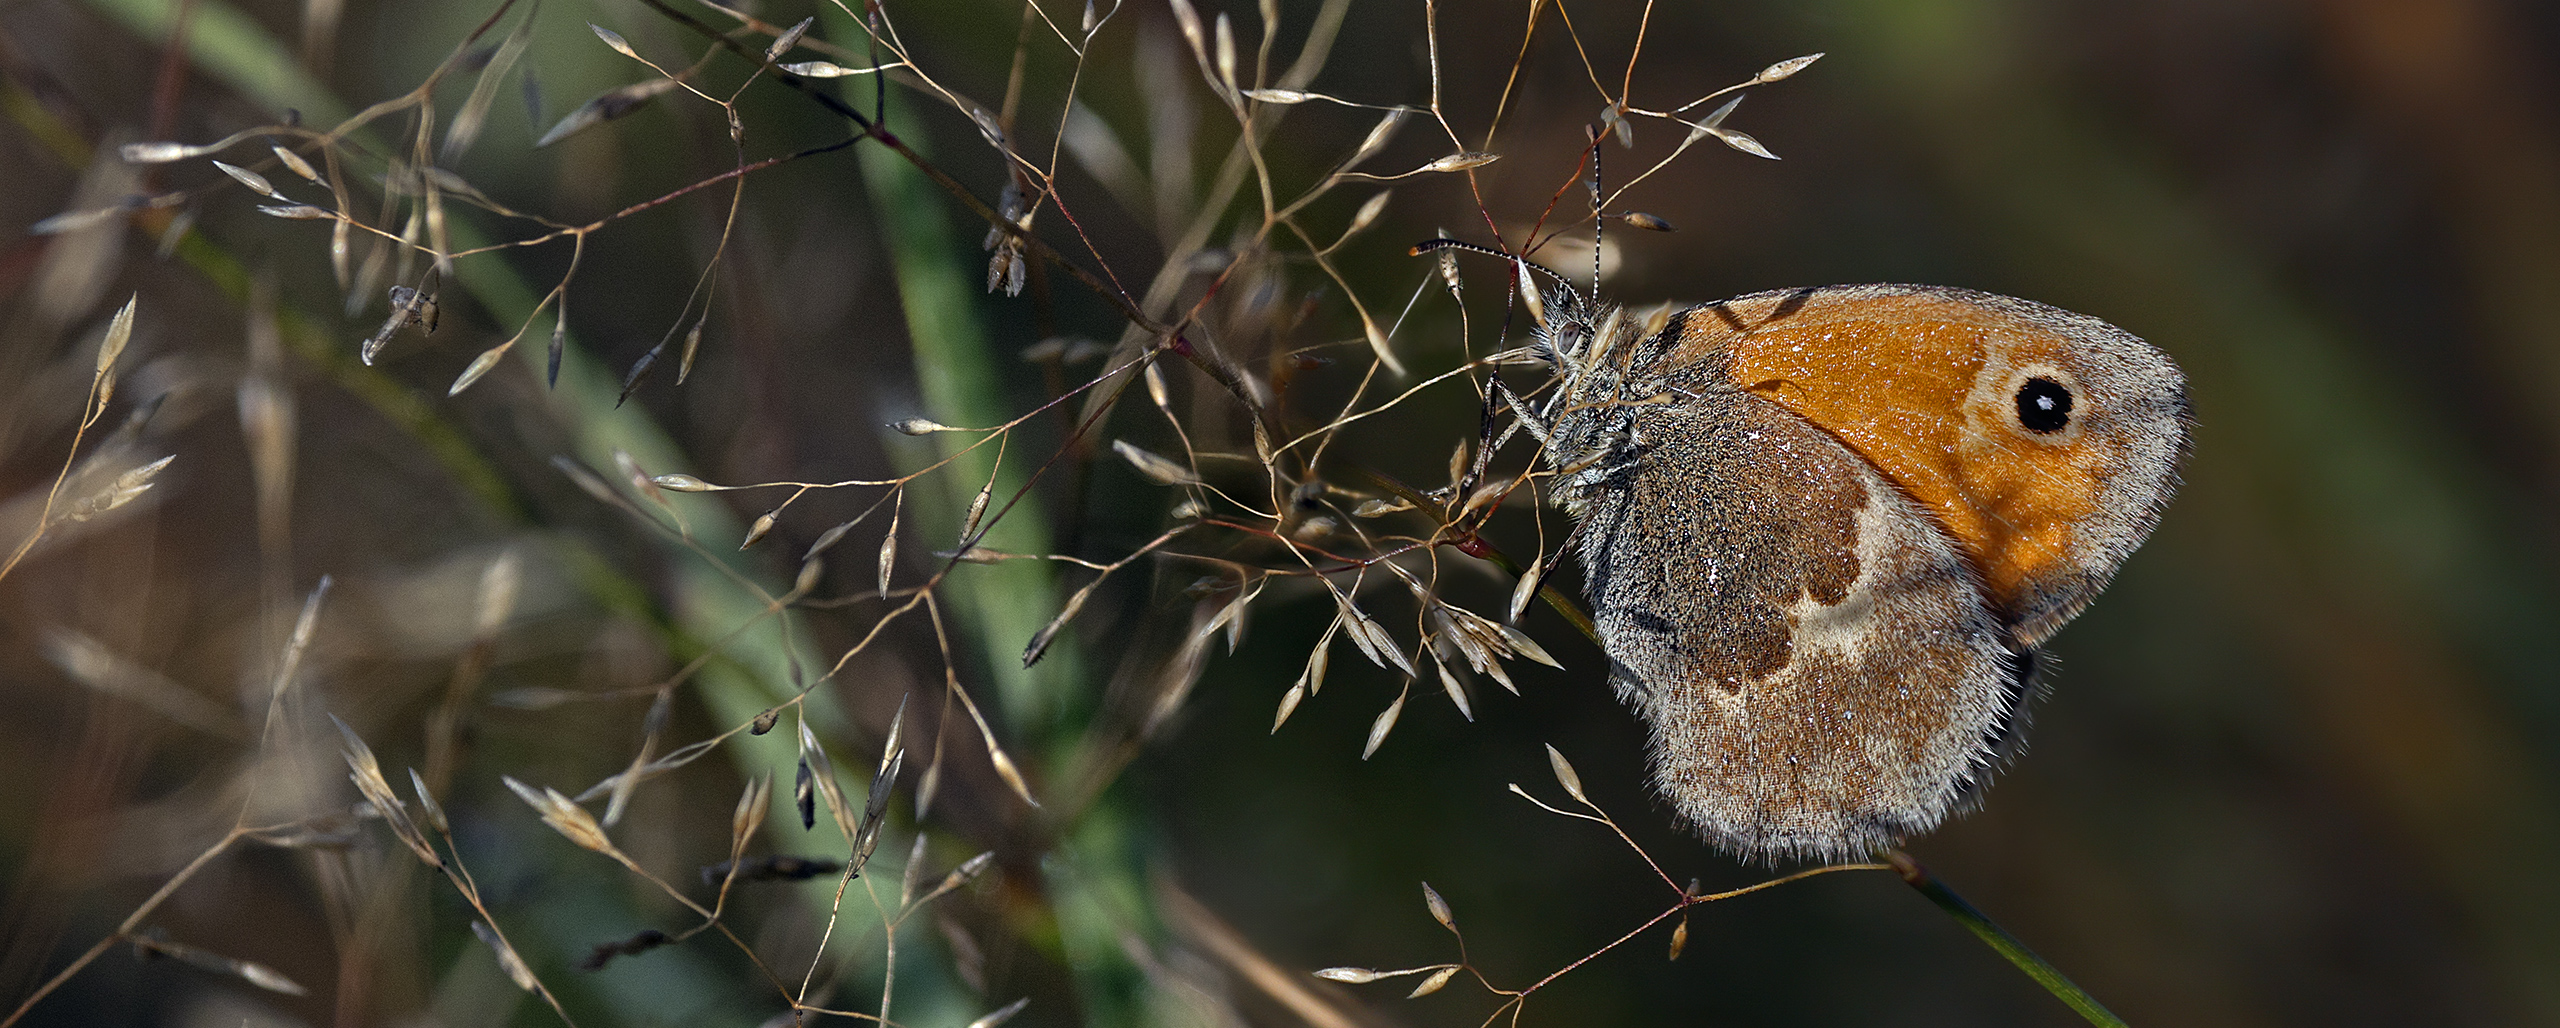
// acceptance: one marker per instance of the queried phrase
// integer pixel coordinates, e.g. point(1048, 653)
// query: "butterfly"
point(1824, 532)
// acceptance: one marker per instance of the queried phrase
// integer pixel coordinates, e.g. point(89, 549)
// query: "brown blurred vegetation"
point(2298, 766)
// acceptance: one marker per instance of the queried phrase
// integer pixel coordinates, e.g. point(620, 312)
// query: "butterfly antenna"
point(1597, 222)
point(1573, 298)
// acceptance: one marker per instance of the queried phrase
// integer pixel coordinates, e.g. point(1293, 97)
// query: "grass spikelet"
point(1385, 723)
point(565, 816)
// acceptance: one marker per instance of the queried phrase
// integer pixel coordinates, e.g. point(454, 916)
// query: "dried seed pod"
point(1457, 694)
point(1460, 161)
point(756, 532)
point(977, 511)
point(614, 39)
point(257, 183)
point(1785, 68)
point(1385, 723)
point(889, 544)
point(1432, 984)
point(294, 163)
point(1161, 470)
point(1289, 703)
point(1566, 776)
point(1438, 907)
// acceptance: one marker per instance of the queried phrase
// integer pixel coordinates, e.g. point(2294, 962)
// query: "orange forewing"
point(1894, 377)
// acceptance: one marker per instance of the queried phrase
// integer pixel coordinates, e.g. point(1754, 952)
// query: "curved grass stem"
point(1999, 939)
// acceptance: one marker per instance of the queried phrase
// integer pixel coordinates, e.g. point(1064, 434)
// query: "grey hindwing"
point(1816, 660)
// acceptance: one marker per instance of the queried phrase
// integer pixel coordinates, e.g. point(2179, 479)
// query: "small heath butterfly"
point(1824, 531)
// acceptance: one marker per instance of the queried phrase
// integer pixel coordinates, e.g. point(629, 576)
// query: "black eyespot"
point(2044, 405)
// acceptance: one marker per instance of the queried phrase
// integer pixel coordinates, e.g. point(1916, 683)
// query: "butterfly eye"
point(2044, 405)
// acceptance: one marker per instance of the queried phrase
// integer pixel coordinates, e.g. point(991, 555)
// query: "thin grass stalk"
point(2001, 942)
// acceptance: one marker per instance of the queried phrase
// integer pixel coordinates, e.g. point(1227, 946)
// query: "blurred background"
point(2297, 766)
